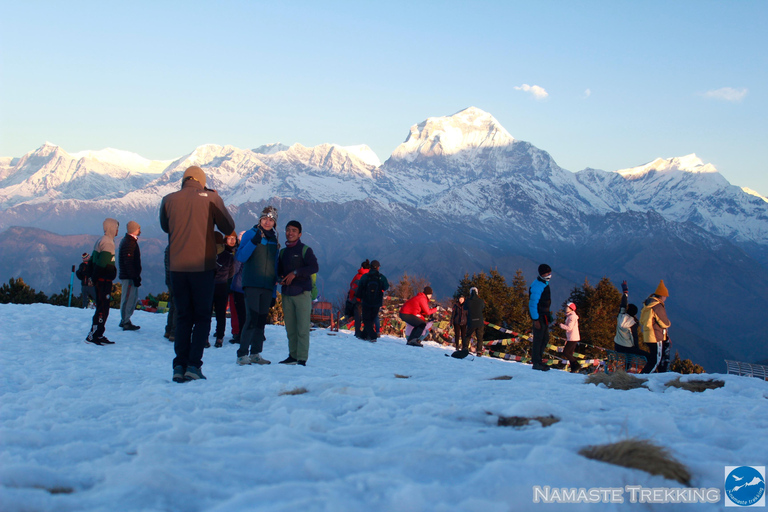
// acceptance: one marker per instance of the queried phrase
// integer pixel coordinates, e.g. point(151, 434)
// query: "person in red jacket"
point(413, 313)
point(354, 306)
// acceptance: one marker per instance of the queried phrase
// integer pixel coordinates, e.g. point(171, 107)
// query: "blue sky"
point(625, 82)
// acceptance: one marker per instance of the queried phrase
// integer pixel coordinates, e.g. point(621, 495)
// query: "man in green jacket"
point(104, 271)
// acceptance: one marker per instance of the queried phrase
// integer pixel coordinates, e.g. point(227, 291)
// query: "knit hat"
point(544, 269)
point(270, 212)
point(571, 306)
point(473, 291)
point(295, 224)
point(85, 255)
point(427, 290)
point(133, 227)
point(375, 265)
point(661, 290)
point(195, 173)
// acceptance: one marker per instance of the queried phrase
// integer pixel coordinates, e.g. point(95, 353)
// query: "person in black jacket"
point(370, 291)
point(459, 321)
point(475, 321)
point(87, 290)
point(225, 269)
point(129, 262)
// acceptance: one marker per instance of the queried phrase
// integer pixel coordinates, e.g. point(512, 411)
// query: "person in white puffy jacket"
point(571, 328)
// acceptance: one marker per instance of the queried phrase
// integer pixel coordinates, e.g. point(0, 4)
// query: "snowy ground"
point(107, 425)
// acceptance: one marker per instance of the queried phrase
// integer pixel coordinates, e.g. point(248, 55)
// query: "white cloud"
point(587, 93)
point(727, 94)
point(538, 92)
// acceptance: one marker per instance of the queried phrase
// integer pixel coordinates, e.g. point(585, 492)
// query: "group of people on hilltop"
point(207, 269)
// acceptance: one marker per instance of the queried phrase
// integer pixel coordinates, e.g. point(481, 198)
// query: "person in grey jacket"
point(189, 216)
point(258, 254)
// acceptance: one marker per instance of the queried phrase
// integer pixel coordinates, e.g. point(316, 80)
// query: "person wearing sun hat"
point(654, 323)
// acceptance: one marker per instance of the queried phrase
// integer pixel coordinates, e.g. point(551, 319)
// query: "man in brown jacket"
point(189, 216)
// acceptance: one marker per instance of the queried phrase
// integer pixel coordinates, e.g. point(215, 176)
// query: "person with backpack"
point(104, 271)
point(572, 336)
point(475, 321)
point(83, 273)
point(654, 322)
point(296, 267)
point(354, 306)
point(189, 216)
point(414, 313)
point(258, 255)
point(539, 301)
point(129, 262)
point(370, 292)
point(459, 321)
point(626, 339)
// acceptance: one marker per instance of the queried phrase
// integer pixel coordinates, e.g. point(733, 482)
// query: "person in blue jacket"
point(258, 254)
point(539, 303)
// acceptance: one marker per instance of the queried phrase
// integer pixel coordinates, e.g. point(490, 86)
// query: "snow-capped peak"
point(754, 193)
point(689, 163)
point(364, 153)
point(123, 159)
point(471, 128)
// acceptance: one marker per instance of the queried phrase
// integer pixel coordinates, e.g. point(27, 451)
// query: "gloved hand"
point(624, 287)
point(256, 239)
point(536, 324)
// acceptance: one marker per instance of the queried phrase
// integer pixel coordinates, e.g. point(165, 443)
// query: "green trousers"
point(296, 313)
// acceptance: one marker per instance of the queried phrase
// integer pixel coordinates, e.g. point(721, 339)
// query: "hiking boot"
point(243, 360)
point(257, 359)
point(104, 341)
point(414, 343)
point(235, 339)
point(193, 373)
point(207, 344)
point(92, 341)
point(302, 363)
point(541, 367)
point(130, 327)
point(178, 374)
point(167, 335)
point(219, 343)
point(289, 360)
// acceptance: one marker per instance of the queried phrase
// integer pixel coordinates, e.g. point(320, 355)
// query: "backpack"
point(313, 276)
point(646, 323)
point(372, 290)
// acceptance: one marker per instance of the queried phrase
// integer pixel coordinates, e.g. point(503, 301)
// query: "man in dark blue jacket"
point(258, 254)
point(129, 262)
point(370, 291)
point(295, 266)
point(538, 308)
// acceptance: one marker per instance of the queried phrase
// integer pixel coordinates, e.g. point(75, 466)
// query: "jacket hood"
point(110, 227)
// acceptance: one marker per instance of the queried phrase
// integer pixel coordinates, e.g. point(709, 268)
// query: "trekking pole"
point(71, 285)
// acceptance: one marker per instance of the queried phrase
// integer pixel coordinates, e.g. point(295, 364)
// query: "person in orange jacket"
point(413, 313)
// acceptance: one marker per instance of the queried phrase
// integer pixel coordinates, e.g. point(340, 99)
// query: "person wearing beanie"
point(295, 266)
point(572, 337)
point(655, 323)
point(626, 339)
point(258, 255)
point(354, 306)
point(87, 290)
point(189, 216)
point(475, 322)
point(129, 264)
point(370, 292)
point(539, 301)
point(459, 321)
point(104, 271)
point(225, 269)
point(414, 313)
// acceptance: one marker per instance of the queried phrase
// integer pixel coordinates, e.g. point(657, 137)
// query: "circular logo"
point(745, 486)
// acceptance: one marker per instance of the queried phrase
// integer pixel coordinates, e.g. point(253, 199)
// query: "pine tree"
point(684, 366)
point(518, 318)
point(19, 292)
point(597, 308)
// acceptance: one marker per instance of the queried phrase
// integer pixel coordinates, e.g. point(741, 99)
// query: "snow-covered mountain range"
point(459, 195)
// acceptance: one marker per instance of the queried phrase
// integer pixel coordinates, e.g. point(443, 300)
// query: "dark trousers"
point(170, 323)
point(87, 292)
point(478, 331)
point(193, 293)
point(459, 333)
point(103, 294)
point(236, 311)
point(220, 297)
point(570, 346)
point(357, 311)
point(257, 301)
point(417, 323)
point(369, 314)
point(540, 340)
point(654, 358)
point(635, 351)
